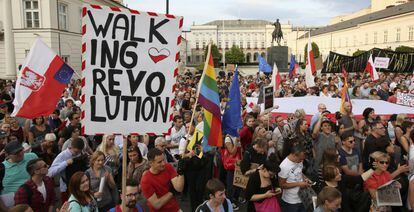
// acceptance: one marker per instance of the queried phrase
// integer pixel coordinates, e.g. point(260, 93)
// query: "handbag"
point(306, 195)
point(267, 205)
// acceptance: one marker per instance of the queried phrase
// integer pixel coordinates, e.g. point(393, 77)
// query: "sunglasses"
point(384, 162)
point(351, 141)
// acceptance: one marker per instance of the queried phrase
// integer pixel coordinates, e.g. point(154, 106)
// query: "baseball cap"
point(13, 147)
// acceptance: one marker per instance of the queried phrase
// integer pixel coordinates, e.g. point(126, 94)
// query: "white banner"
point(382, 62)
point(129, 63)
point(405, 99)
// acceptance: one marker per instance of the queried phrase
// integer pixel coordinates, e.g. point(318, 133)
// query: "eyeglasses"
point(384, 162)
point(132, 195)
point(352, 141)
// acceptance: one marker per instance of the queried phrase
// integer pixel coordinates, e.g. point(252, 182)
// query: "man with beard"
point(132, 204)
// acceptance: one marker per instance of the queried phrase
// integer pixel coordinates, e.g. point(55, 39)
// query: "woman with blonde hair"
point(381, 176)
point(111, 152)
point(95, 173)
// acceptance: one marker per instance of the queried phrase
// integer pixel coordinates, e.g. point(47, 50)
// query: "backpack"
point(204, 207)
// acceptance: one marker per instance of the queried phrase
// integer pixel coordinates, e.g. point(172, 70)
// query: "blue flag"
point(263, 65)
point(293, 66)
point(232, 120)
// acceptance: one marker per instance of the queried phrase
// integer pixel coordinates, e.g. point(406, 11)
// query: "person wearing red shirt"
point(159, 183)
point(38, 192)
point(246, 133)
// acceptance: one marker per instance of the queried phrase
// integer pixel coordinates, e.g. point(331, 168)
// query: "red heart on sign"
point(158, 55)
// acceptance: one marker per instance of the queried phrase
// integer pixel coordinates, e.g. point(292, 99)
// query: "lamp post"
point(167, 6)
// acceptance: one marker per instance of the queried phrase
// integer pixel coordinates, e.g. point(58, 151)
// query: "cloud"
point(299, 12)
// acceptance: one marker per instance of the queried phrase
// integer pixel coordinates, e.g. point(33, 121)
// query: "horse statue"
point(277, 34)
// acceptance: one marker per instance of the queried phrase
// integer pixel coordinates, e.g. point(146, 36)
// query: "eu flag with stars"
point(64, 74)
point(263, 65)
point(232, 120)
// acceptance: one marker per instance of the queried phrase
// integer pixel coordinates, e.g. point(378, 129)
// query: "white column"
point(9, 41)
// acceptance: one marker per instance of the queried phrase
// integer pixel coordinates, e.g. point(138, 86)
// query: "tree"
point(235, 55)
point(358, 52)
point(315, 49)
point(405, 49)
point(216, 54)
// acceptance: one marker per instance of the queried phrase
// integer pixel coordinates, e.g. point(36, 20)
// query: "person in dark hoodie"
point(254, 155)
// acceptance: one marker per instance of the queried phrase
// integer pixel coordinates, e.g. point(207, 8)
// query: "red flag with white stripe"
point(371, 69)
point(275, 78)
point(311, 59)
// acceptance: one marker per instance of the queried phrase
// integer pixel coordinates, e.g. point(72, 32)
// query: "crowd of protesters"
point(48, 165)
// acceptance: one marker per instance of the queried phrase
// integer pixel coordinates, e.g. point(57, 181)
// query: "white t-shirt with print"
point(292, 172)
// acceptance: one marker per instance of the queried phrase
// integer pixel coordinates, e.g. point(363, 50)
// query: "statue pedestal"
point(278, 55)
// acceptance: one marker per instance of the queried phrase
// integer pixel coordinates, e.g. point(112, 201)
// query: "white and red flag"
point(311, 59)
point(371, 69)
point(43, 77)
point(275, 78)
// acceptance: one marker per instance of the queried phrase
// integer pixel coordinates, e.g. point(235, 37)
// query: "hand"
point(181, 167)
point(64, 208)
point(98, 194)
point(303, 184)
point(106, 175)
point(403, 168)
point(69, 162)
point(270, 194)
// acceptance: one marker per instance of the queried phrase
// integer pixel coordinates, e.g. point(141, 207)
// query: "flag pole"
point(199, 83)
point(124, 164)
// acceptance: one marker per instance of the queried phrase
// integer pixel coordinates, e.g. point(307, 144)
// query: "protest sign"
point(129, 61)
point(268, 97)
point(240, 180)
point(405, 99)
point(389, 194)
point(381, 62)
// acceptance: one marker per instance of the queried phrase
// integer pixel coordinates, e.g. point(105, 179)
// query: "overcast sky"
point(298, 12)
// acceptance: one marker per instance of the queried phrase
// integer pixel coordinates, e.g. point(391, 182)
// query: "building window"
point(65, 58)
point(188, 59)
point(241, 44)
point(375, 37)
point(31, 13)
point(398, 37)
point(263, 45)
point(197, 58)
point(204, 44)
point(219, 45)
point(366, 38)
point(234, 43)
point(255, 45)
point(385, 36)
point(63, 16)
point(227, 44)
point(197, 45)
point(248, 45)
point(411, 33)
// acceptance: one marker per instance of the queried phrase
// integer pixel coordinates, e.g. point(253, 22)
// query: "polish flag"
point(371, 69)
point(42, 79)
point(311, 59)
point(275, 78)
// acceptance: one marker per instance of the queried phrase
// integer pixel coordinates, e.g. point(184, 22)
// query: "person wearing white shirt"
point(178, 131)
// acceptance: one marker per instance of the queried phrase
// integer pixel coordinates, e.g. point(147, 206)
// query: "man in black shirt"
point(377, 135)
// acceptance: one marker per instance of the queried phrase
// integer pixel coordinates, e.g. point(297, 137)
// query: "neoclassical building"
point(56, 22)
point(252, 36)
point(385, 24)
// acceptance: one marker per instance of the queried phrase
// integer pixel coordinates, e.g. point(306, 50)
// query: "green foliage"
point(234, 56)
point(358, 52)
point(404, 49)
point(315, 49)
point(216, 54)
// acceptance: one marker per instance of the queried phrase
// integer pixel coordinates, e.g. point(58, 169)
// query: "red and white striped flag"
point(275, 78)
point(371, 69)
point(311, 59)
point(42, 80)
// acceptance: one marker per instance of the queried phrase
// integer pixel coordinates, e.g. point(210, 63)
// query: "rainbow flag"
point(210, 101)
point(344, 91)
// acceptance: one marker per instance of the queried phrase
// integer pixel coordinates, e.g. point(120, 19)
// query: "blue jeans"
point(292, 207)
